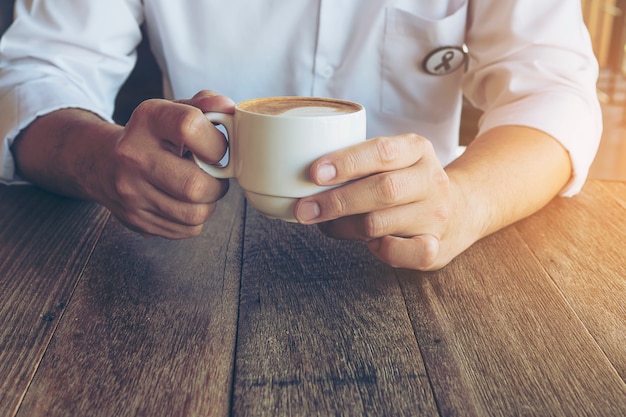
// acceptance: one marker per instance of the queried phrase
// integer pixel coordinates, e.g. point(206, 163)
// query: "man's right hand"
point(140, 171)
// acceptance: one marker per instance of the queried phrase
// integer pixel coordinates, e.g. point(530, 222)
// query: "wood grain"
point(617, 189)
point(101, 322)
point(323, 330)
point(592, 281)
point(497, 335)
point(45, 242)
point(502, 339)
point(151, 328)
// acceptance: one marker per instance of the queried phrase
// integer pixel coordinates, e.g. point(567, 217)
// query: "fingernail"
point(308, 211)
point(326, 172)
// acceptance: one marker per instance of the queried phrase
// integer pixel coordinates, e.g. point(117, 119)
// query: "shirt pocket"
point(410, 36)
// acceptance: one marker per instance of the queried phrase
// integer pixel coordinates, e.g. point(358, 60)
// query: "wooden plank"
point(585, 254)
point(151, 328)
point(616, 188)
point(45, 241)
point(499, 339)
point(323, 330)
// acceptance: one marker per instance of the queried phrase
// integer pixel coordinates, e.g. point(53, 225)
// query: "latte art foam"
point(299, 106)
point(314, 111)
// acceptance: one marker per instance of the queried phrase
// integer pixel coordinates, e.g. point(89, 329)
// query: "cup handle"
point(227, 171)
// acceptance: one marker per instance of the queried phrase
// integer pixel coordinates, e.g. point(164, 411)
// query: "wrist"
point(469, 216)
point(66, 152)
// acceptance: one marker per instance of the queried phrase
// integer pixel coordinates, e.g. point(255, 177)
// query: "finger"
point(149, 224)
point(182, 125)
point(377, 192)
point(385, 153)
point(168, 194)
point(419, 252)
point(407, 220)
point(176, 211)
point(185, 214)
point(183, 180)
point(210, 101)
point(151, 211)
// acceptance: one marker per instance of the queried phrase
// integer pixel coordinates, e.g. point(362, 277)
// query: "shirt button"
point(327, 71)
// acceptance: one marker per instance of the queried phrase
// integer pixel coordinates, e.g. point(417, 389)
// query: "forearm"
point(505, 175)
point(66, 152)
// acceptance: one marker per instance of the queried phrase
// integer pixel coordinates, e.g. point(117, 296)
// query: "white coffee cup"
point(273, 142)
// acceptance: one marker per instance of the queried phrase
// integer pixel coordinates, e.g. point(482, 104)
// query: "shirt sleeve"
point(63, 54)
point(541, 73)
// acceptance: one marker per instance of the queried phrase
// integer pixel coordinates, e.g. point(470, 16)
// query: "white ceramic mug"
point(273, 142)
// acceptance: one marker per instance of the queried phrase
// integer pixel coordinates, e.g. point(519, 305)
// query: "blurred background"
point(605, 19)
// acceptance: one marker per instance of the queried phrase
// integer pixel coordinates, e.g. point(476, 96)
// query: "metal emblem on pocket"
point(445, 60)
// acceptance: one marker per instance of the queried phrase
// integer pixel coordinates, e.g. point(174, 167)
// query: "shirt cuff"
point(22, 105)
point(574, 122)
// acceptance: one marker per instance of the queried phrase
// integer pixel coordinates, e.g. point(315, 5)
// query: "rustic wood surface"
point(498, 338)
point(260, 317)
point(45, 242)
point(323, 330)
point(151, 329)
point(585, 255)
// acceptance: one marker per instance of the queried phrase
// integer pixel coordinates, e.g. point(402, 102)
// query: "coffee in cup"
point(299, 106)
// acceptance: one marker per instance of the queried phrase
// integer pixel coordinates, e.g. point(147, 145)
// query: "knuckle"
point(441, 179)
point(374, 225)
point(421, 141)
point(422, 147)
point(125, 189)
point(194, 187)
point(389, 188)
point(145, 109)
point(336, 204)
point(388, 149)
point(126, 151)
point(190, 122)
point(350, 163)
point(204, 94)
point(417, 142)
point(442, 214)
point(197, 215)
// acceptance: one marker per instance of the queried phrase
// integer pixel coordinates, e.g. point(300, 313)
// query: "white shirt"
point(530, 62)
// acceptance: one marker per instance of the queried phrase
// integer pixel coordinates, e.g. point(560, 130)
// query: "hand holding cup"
point(273, 142)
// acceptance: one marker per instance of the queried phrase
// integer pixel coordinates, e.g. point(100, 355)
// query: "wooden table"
point(263, 318)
